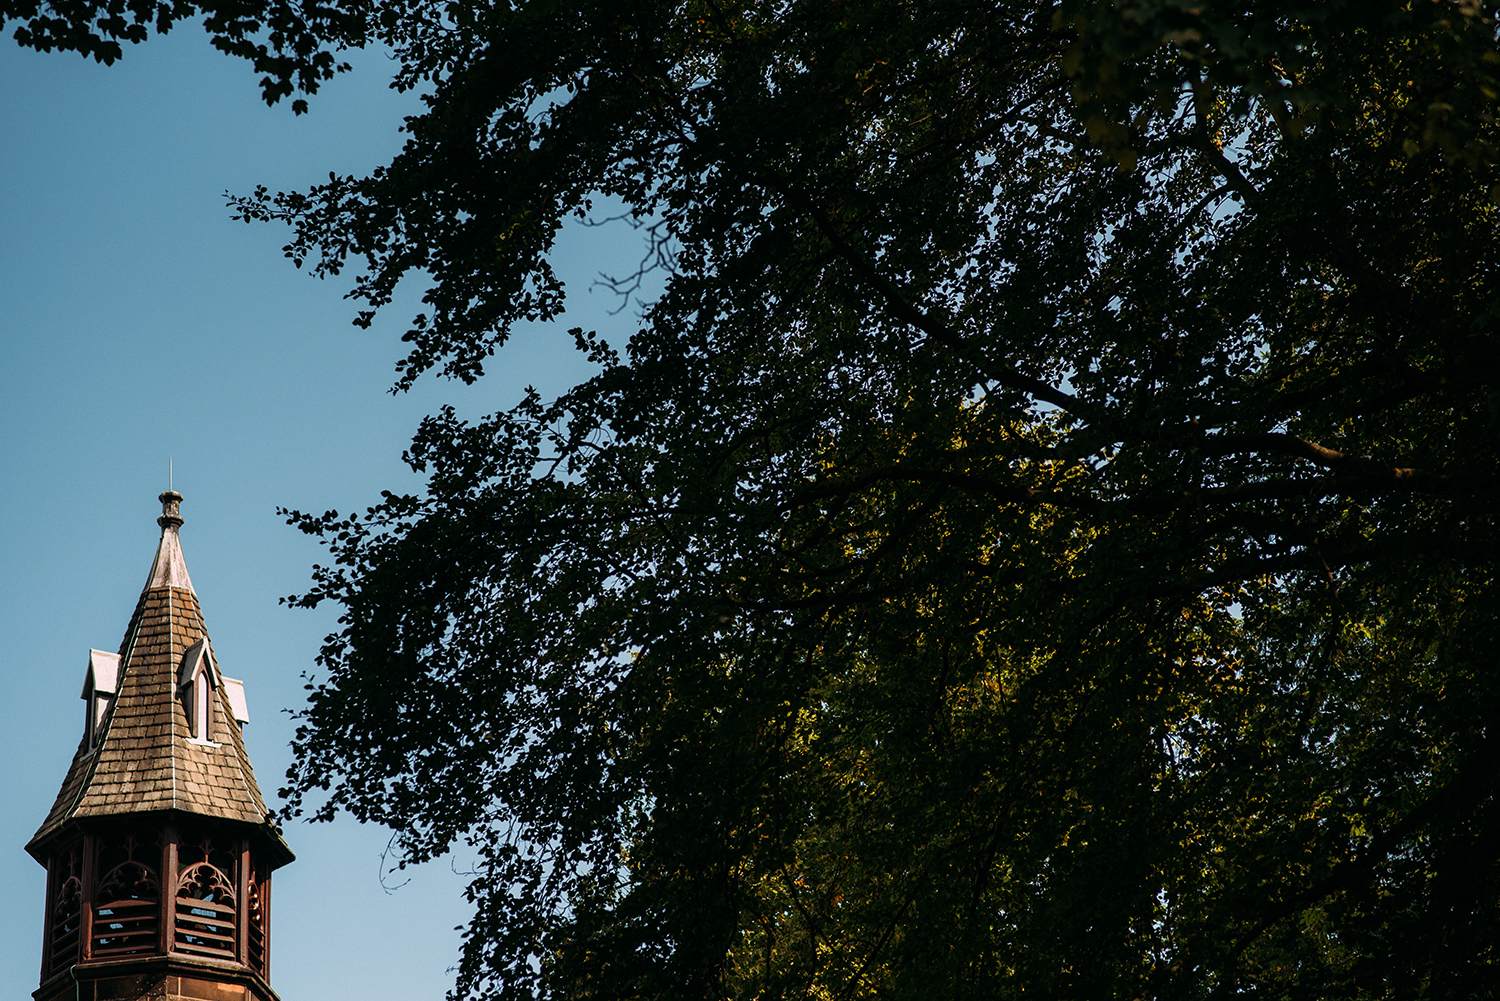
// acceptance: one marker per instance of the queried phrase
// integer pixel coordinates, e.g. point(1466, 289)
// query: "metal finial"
point(171, 516)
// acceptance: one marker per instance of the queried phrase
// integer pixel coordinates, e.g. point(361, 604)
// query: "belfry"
point(159, 849)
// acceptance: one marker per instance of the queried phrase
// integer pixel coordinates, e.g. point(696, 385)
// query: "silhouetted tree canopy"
point(1041, 541)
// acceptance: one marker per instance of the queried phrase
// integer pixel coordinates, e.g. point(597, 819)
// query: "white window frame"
point(199, 692)
point(202, 723)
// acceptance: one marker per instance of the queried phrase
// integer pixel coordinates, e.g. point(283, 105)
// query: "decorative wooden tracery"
point(107, 898)
point(65, 915)
point(256, 914)
point(127, 896)
point(158, 849)
point(207, 912)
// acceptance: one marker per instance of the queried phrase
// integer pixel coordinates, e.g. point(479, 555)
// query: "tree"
point(1042, 538)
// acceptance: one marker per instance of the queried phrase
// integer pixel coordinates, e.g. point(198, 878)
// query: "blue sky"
point(138, 322)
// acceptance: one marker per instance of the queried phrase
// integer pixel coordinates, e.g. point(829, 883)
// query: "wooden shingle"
point(145, 759)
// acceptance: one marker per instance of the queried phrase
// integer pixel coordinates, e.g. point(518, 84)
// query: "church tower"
point(159, 849)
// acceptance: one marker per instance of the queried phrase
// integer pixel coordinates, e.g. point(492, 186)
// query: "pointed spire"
point(147, 757)
point(170, 570)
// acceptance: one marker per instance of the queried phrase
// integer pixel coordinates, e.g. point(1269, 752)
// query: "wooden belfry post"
point(159, 849)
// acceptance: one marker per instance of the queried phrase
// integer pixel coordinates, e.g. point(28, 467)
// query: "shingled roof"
point(145, 760)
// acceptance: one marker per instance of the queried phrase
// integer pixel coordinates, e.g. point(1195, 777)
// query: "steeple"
point(169, 569)
point(159, 847)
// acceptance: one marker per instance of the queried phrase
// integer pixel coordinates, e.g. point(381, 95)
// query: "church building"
point(159, 850)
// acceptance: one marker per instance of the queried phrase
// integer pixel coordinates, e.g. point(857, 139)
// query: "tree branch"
point(900, 307)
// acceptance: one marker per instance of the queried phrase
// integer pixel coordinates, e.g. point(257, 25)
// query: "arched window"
point(197, 682)
point(203, 717)
point(207, 905)
point(90, 724)
point(127, 898)
point(65, 911)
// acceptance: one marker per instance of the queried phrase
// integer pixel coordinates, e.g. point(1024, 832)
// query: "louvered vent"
point(256, 916)
point(65, 916)
point(127, 897)
point(205, 901)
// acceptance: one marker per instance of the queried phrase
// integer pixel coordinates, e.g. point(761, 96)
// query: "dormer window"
point(90, 719)
point(197, 682)
point(202, 722)
point(99, 686)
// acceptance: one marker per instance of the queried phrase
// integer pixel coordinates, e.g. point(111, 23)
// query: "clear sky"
point(138, 322)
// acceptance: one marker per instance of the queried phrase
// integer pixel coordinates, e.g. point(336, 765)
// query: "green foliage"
point(292, 43)
point(1041, 540)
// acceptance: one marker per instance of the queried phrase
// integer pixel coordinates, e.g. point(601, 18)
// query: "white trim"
point(202, 721)
point(193, 658)
point(103, 671)
point(234, 689)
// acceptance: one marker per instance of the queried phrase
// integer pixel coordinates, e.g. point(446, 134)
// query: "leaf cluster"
point(1040, 540)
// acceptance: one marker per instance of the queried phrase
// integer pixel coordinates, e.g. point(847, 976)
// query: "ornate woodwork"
point(127, 895)
point(207, 910)
point(65, 913)
point(258, 922)
point(106, 900)
point(159, 846)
